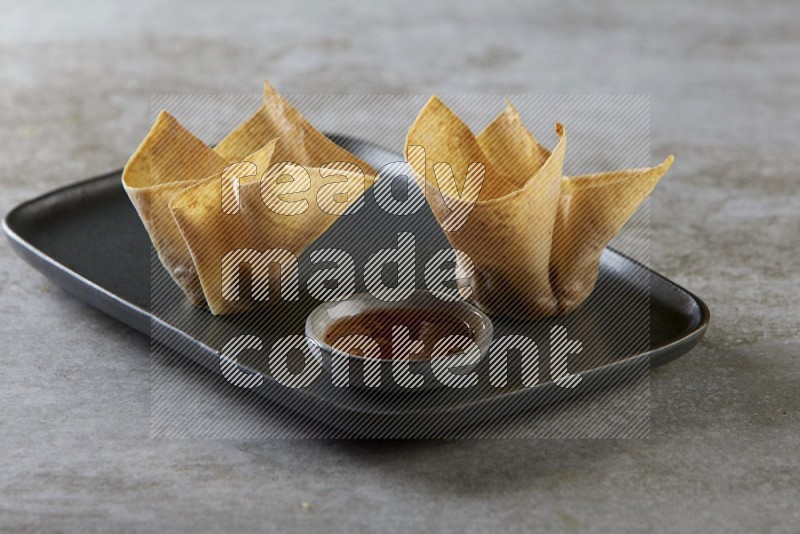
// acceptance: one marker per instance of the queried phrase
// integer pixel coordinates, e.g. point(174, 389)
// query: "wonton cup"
point(175, 182)
point(169, 159)
point(270, 224)
point(534, 236)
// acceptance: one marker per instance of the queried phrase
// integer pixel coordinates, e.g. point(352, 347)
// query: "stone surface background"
point(76, 80)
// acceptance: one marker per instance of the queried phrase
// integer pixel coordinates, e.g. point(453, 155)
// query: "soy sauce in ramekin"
point(426, 325)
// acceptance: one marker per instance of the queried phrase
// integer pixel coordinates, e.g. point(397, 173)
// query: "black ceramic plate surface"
point(88, 239)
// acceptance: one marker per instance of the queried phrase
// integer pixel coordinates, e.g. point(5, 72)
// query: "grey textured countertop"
point(724, 446)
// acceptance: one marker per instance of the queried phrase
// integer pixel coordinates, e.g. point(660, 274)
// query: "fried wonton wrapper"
point(300, 142)
point(169, 159)
point(593, 209)
point(281, 209)
point(536, 248)
point(510, 146)
point(508, 233)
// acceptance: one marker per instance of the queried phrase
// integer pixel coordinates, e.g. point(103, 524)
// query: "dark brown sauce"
point(429, 326)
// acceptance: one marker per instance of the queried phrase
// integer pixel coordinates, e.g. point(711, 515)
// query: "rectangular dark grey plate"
point(88, 239)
